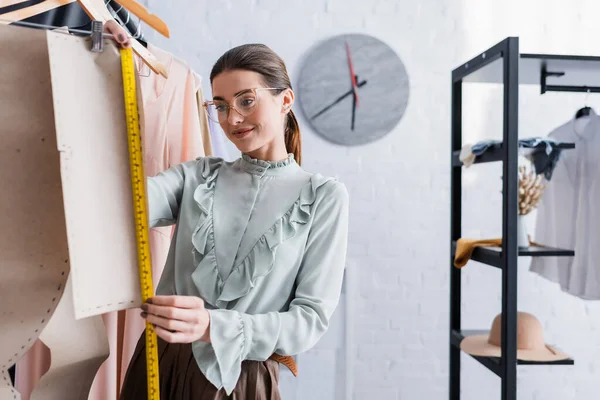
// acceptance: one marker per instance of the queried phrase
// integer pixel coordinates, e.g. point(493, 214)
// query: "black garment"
point(11, 373)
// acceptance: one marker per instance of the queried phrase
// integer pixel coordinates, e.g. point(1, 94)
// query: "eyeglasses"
point(245, 103)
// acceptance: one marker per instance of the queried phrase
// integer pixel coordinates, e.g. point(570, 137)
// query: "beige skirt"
point(181, 379)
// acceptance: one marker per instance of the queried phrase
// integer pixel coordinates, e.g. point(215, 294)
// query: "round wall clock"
point(353, 89)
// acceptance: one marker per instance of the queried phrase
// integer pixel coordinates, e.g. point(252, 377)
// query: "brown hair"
point(264, 61)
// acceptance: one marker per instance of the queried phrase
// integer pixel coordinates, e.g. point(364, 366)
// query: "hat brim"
point(477, 345)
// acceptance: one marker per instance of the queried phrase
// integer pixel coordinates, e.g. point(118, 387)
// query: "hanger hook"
point(587, 95)
point(138, 33)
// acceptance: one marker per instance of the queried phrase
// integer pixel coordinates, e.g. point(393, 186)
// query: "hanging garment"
point(568, 215)
point(65, 290)
point(465, 248)
point(263, 243)
point(175, 130)
point(218, 139)
point(542, 152)
point(29, 287)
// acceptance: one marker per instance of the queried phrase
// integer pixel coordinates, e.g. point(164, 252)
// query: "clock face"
point(346, 111)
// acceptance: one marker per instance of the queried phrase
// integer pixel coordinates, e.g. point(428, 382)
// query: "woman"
point(257, 259)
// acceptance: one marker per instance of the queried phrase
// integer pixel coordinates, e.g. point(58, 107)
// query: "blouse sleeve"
point(239, 336)
point(164, 196)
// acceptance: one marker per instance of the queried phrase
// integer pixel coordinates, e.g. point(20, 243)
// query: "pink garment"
point(175, 129)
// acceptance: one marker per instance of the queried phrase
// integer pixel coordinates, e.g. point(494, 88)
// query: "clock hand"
point(354, 104)
point(342, 97)
point(352, 75)
point(354, 101)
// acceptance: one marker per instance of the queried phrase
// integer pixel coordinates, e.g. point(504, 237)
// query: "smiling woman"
point(252, 81)
point(257, 262)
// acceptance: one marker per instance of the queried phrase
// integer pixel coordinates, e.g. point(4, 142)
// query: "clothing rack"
point(77, 21)
point(504, 64)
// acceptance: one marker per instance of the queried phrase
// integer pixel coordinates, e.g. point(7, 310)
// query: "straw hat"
point(530, 341)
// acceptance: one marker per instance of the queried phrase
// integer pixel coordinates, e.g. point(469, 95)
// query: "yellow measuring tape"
point(138, 181)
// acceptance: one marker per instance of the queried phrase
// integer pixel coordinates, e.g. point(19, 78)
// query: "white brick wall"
point(399, 186)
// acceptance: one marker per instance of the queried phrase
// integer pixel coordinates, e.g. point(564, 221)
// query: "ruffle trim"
point(269, 164)
point(229, 336)
point(259, 262)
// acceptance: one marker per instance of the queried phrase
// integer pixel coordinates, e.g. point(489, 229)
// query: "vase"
point(522, 236)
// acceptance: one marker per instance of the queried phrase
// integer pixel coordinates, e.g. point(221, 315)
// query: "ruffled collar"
point(263, 167)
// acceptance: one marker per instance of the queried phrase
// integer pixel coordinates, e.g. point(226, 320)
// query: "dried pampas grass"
point(531, 189)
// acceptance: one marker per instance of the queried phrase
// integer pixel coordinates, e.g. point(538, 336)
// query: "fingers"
point(171, 325)
point(119, 33)
point(177, 319)
point(177, 301)
point(170, 337)
point(180, 314)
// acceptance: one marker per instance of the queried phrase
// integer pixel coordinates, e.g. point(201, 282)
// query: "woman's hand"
point(118, 32)
point(178, 319)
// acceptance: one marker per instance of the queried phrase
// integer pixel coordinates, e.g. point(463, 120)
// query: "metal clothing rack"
point(504, 64)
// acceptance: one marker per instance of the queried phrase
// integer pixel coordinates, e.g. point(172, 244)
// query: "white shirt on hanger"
point(568, 214)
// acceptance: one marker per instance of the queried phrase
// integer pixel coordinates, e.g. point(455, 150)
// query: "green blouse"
point(264, 244)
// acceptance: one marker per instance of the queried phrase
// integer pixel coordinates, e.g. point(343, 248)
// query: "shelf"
point(578, 72)
point(494, 363)
point(493, 255)
point(494, 153)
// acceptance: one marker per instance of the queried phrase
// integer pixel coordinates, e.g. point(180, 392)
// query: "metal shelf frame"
point(504, 64)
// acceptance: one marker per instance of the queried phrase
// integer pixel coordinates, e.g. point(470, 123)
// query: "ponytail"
point(292, 137)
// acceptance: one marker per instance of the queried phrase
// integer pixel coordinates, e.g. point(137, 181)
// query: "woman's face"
point(261, 131)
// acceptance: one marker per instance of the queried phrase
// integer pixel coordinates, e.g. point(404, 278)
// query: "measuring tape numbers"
point(138, 181)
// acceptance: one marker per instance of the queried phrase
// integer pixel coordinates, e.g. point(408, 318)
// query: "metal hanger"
point(151, 19)
point(585, 111)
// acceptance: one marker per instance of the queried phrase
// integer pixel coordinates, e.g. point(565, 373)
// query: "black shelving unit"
point(504, 64)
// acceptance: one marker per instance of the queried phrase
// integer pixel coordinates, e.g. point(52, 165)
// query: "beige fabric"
point(33, 245)
point(92, 139)
point(530, 341)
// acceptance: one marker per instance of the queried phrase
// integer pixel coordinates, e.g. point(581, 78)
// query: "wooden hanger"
point(28, 12)
point(7, 3)
point(95, 9)
point(151, 19)
point(98, 11)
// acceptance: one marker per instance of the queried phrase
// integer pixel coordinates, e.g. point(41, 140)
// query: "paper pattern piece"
point(78, 348)
point(92, 139)
point(33, 245)
point(65, 206)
